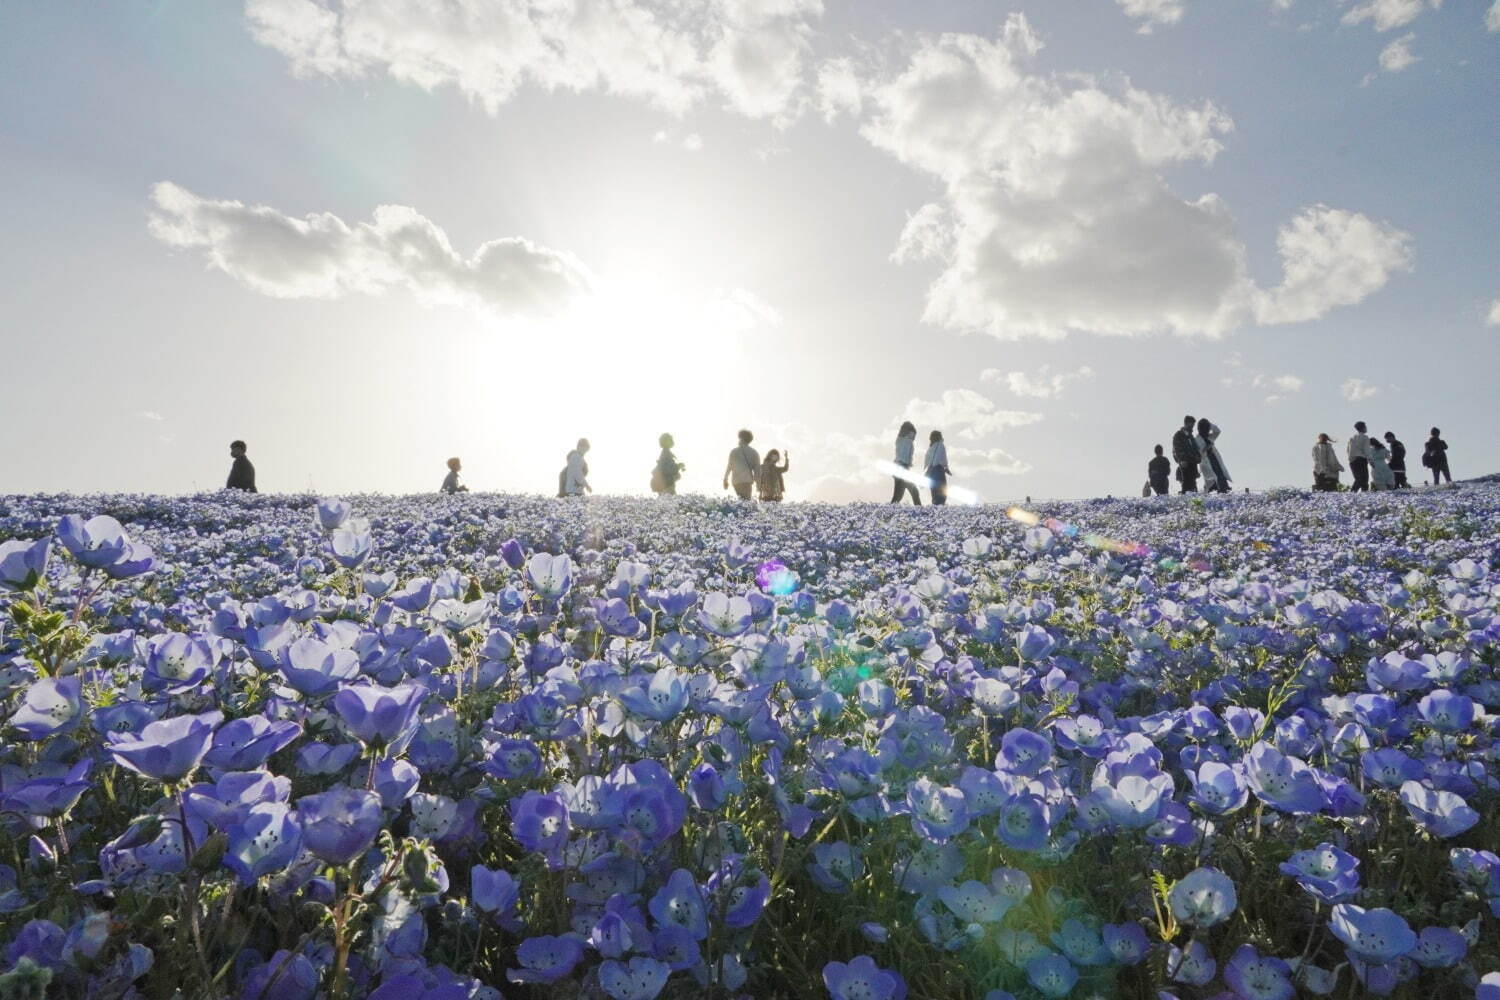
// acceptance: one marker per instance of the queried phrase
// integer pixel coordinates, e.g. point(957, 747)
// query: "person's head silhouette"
point(666, 441)
point(1158, 449)
point(746, 437)
point(455, 464)
point(237, 449)
point(908, 429)
point(583, 444)
point(1359, 425)
point(1187, 422)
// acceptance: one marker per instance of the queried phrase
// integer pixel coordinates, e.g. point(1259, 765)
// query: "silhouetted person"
point(1326, 465)
point(667, 470)
point(935, 466)
point(1358, 450)
point(906, 443)
point(450, 481)
point(1435, 457)
point(770, 482)
point(241, 473)
point(1159, 471)
point(1185, 454)
point(1397, 460)
point(573, 480)
point(1215, 472)
point(743, 467)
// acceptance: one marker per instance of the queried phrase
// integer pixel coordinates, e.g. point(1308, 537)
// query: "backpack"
point(658, 481)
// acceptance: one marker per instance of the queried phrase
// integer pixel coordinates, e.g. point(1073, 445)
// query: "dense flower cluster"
point(450, 747)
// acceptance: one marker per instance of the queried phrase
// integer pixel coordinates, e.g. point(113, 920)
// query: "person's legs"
point(897, 493)
point(1360, 469)
point(1190, 479)
point(1442, 467)
point(939, 494)
point(916, 494)
point(743, 489)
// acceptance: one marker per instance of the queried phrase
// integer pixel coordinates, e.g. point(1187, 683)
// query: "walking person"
point(1435, 457)
point(450, 481)
point(1381, 477)
point(573, 480)
point(241, 472)
point(667, 471)
point(1326, 465)
point(1159, 471)
point(1185, 454)
point(906, 443)
point(1397, 460)
point(1215, 472)
point(770, 482)
point(743, 467)
point(935, 465)
point(1358, 450)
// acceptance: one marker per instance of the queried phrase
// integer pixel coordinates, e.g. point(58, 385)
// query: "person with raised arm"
point(771, 482)
point(1326, 465)
point(1215, 472)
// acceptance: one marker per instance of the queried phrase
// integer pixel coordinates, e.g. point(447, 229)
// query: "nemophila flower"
point(1085, 734)
point(1326, 872)
point(227, 801)
point(836, 867)
point(1127, 942)
point(1389, 767)
point(1443, 814)
point(494, 891)
point(1023, 823)
point(1218, 789)
point(340, 824)
point(539, 822)
point(974, 902)
point(676, 946)
point(23, 564)
point(513, 759)
point(1375, 936)
point(331, 513)
point(265, 841)
point(705, 788)
point(648, 817)
point(1051, 975)
point(286, 976)
point(641, 978)
point(661, 699)
point(381, 717)
point(1081, 943)
point(861, 979)
point(616, 618)
point(1282, 782)
point(1193, 965)
point(545, 959)
point(993, 698)
point(937, 812)
point(1447, 711)
point(352, 545)
point(1254, 976)
point(550, 576)
point(314, 667)
point(1439, 948)
point(49, 797)
point(1203, 897)
point(679, 903)
point(1033, 642)
point(1489, 987)
point(167, 750)
point(95, 543)
point(176, 662)
point(1023, 752)
point(50, 706)
point(242, 744)
point(724, 615)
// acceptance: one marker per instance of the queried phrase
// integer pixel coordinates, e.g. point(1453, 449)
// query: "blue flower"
point(1193, 965)
point(96, 543)
point(679, 903)
point(242, 744)
point(380, 717)
point(661, 699)
point(1447, 711)
point(351, 546)
point(1127, 943)
point(314, 667)
point(286, 976)
point(1218, 789)
point(1023, 823)
point(494, 890)
point(1326, 872)
point(1254, 976)
point(724, 615)
point(1203, 897)
point(1439, 948)
point(549, 575)
point(1034, 643)
point(545, 959)
point(540, 822)
point(862, 979)
point(706, 788)
point(264, 842)
point(1443, 814)
point(176, 662)
point(167, 750)
point(1023, 752)
point(49, 706)
point(1282, 782)
point(49, 797)
point(340, 824)
point(937, 812)
point(1375, 936)
point(23, 564)
point(1389, 767)
point(1051, 975)
point(642, 979)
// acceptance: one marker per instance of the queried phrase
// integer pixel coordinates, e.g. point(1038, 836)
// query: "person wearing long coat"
point(1326, 465)
point(1381, 476)
point(1215, 472)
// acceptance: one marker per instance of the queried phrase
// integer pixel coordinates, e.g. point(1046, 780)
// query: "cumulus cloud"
point(1152, 12)
point(1387, 15)
point(1494, 317)
point(321, 256)
point(1492, 18)
point(1357, 389)
point(1056, 214)
point(675, 54)
point(1331, 257)
point(1045, 384)
point(969, 414)
point(1398, 55)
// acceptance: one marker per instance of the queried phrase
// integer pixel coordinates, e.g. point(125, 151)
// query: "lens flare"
point(956, 494)
point(1066, 530)
point(774, 577)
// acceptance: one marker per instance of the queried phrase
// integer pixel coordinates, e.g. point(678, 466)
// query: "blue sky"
point(1047, 229)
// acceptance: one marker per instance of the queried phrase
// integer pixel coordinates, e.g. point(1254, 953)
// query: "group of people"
point(1196, 452)
point(1374, 465)
point(935, 471)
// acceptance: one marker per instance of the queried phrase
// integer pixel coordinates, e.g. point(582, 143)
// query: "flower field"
point(431, 748)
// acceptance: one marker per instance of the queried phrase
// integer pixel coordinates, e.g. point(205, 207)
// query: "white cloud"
point(674, 54)
point(1331, 257)
point(840, 90)
point(1152, 12)
point(321, 256)
point(1281, 386)
point(1494, 317)
point(152, 415)
point(1357, 389)
point(1045, 384)
point(692, 143)
point(739, 311)
point(1492, 18)
point(1056, 216)
point(1387, 14)
point(966, 413)
point(1398, 55)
